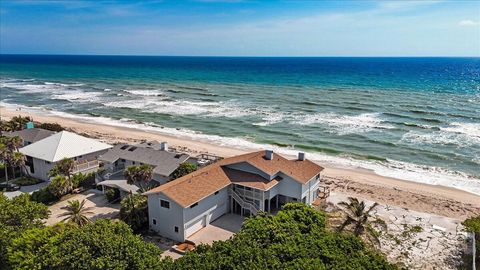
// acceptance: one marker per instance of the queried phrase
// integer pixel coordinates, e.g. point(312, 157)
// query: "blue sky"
point(242, 28)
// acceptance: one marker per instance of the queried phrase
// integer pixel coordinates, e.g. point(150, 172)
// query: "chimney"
point(164, 146)
point(301, 156)
point(268, 154)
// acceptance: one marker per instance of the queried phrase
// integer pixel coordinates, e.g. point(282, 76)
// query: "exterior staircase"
point(244, 204)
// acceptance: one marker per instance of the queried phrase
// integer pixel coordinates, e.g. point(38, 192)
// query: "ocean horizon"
point(413, 118)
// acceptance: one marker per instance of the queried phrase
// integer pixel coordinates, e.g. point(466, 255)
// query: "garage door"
point(217, 212)
point(195, 226)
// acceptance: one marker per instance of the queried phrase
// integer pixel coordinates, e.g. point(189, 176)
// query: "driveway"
point(94, 198)
point(221, 229)
point(25, 189)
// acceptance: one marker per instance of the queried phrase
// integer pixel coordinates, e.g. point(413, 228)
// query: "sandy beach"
point(361, 183)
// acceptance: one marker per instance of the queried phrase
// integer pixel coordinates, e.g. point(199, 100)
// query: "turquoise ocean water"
point(413, 118)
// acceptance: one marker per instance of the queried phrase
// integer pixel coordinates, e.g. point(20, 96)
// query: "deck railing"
point(85, 165)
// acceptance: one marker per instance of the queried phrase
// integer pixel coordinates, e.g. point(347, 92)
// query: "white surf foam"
point(344, 124)
point(78, 96)
point(184, 107)
point(29, 87)
point(456, 133)
point(391, 168)
point(151, 92)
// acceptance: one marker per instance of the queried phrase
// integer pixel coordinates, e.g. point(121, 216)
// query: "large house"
point(42, 155)
point(30, 135)
point(117, 159)
point(245, 184)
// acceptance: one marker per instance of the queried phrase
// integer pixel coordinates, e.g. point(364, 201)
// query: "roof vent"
point(301, 156)
point(268, 154)
point(164, 146)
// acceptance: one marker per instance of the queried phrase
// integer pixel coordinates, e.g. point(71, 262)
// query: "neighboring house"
point(30, 135)
point(43, 154)
point(153, 153)
point(245, 184)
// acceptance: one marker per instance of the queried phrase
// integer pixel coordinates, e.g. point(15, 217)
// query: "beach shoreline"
point(363, 183)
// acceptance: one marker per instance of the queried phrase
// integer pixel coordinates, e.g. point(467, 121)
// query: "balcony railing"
point(85, 165)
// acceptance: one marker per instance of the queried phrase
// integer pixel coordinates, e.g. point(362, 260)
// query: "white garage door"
point(195, 226)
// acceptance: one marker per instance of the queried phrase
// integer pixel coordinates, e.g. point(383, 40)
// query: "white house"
point(245, 184)
point(43, 154)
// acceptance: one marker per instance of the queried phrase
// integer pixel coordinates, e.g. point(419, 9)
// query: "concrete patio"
point(221, 229)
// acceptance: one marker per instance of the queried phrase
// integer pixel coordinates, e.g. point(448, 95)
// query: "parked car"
point(9, 187)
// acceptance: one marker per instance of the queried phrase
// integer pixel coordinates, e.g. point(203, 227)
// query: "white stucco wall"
point(309, 190)
point(41, 168)
point(207, 205)
point(166, 219)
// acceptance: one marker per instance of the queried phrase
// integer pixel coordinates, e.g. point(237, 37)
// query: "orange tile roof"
point(195, 186)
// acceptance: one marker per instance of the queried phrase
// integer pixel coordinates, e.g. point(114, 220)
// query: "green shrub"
point(112, 194)
point(184, 169)
point(295, 238)
point(134, 211)
point(52, 126)
point(27, 181)
point(44, 196)
point(104, 244)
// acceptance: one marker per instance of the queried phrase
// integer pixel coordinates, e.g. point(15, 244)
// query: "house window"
point(80, 156)
point(47, 162)
point(165, 204)
point(318, 176)
point(133, 162)
point(193, 205)
point(122, 160)
point(154, 221)
point(216, 192)
point(176, 229)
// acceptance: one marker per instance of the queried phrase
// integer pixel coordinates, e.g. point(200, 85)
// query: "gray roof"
point(31, 135)
point(120, 184)
point(164, 162)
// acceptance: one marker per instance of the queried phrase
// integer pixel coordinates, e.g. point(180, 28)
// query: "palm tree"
point(139, 175)
point(358, 217)
point(63, 167)
point(60, 185)
point(18, 160)
point(76, 212)
point(9, 154)
point(4, 155)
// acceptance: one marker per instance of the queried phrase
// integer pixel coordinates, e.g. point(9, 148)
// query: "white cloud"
point(468, 23)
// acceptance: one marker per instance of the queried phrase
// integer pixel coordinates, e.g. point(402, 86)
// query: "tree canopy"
point(139, 175)
point(295, 238)
point(17, 215)
point(104, 244)
point(184, 169)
